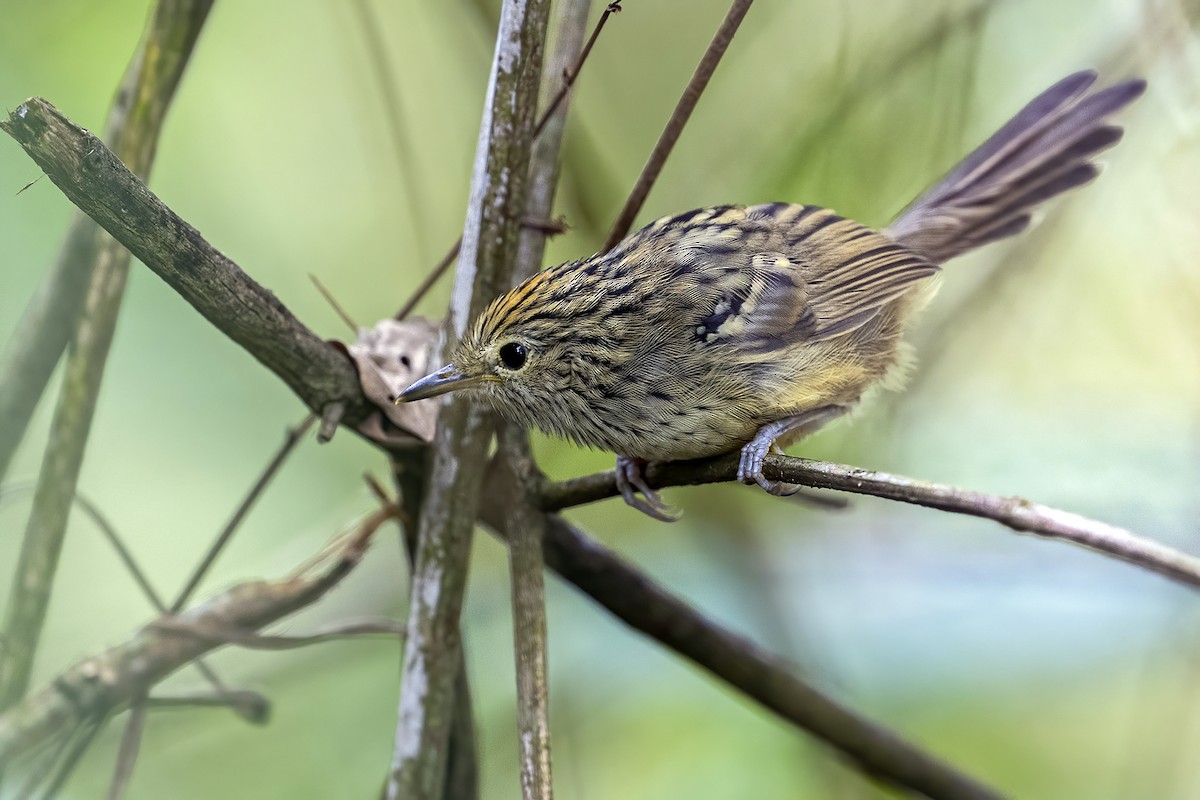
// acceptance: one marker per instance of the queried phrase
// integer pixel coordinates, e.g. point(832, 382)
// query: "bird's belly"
point(686, 439)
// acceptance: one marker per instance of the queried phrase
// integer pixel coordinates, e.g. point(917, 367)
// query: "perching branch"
point(107, 683)
point(1017, 513)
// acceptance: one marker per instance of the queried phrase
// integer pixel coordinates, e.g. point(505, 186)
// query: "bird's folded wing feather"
point(768, 276)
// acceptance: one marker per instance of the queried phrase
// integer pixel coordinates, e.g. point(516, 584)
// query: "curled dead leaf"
point(389, 357)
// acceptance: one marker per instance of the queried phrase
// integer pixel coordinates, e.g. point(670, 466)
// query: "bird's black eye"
point(513, 355)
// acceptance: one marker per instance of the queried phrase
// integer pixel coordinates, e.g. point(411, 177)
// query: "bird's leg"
point(750, 467)
point(631, 480)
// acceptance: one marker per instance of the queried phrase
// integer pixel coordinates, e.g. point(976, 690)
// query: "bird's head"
point(518, 354)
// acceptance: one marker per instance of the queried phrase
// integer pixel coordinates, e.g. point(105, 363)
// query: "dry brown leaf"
point(389, 357)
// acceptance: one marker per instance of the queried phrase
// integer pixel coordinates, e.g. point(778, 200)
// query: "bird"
point(748, 327)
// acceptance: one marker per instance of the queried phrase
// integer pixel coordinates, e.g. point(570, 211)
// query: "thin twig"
point(571, 73)
point(254, 641)
point(679, 118)
point(569, 78)
point(333, 303)
point(331, 418)
point(1017, 513)
point(246, 704)
point(79, 746)
point(294, 435)
point(131, 745)
point(438, 271)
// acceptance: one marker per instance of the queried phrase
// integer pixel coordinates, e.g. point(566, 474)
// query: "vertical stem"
point(151, 80)
point(485, 265)
point(525, 521)
point(525, 527)
point(462, 759)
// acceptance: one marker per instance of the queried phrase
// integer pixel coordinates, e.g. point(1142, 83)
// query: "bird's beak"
point(446, 379)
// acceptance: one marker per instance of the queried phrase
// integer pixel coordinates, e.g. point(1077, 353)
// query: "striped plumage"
point(668, 346)
point(734, 326)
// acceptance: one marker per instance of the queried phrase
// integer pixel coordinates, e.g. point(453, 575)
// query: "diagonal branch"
point(133, 125)
point(94, 179)
point(110, 681)
point(675, 125)
point(1024, 516)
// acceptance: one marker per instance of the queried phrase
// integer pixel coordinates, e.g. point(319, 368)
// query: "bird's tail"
point(1044, 150)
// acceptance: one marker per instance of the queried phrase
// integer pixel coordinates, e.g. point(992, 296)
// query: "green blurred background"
point(1064, 367)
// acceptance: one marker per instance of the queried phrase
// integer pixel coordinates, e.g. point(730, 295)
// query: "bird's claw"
point(630, 481)
point(750, 470)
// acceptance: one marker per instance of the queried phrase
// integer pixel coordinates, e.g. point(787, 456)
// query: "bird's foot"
point(755, 452)
point(630, 480)
point(751, 464)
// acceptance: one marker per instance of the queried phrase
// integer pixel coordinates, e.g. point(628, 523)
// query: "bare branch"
point(131, 745)
point(248, 705)
point(253, 641)
point(132, 128)
point(172, 31)
point(333, 303)
point(94, 179)
point(525, 523)
point(679, 118)
point(1017, 513)
point(524, 529)
point(110, 681)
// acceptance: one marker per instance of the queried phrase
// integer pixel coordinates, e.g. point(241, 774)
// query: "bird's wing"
point(771, 275)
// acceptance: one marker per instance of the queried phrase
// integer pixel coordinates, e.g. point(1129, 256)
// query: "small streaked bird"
point(749, 327)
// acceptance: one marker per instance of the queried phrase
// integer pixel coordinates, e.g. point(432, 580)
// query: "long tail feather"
point(1043, 151)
